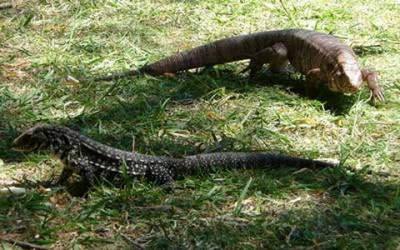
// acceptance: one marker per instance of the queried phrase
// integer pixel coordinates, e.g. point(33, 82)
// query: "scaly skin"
point(93, 160)
point(320, 57)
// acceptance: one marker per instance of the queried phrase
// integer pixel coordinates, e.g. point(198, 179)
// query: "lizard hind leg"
point(275, 56)
point(279, 59)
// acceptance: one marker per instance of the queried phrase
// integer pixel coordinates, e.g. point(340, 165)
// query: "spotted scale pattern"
point(94, 161)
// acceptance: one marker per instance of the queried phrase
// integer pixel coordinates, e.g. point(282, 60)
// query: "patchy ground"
point(45, 45)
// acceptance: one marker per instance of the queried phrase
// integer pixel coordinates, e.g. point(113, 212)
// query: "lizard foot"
point(50, 183)
point(168, 187)
point(371, 77)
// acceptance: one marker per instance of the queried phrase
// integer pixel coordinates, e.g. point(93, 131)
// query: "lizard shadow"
point(337, 203)
point(188, 88)
point(288, 83)
point(343, 206)
point(336, 103)
point(334, 197)
point(147, 102)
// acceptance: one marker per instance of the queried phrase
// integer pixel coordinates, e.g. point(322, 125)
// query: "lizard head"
point(31, 140)
point(346, 76)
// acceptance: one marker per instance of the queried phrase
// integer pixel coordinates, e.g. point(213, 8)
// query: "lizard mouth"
point(31, 140)
point(23, 148)
point(23, 144)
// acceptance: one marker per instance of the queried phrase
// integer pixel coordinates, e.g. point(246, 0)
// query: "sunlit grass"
point(42, 43)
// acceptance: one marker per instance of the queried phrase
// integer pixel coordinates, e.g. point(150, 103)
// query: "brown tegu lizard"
point(94, 161)
point(320, 57)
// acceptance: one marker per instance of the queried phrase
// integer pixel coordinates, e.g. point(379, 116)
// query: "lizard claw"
point(372, 82)
point(377, 94)
point(50, 183)
point(245, 70)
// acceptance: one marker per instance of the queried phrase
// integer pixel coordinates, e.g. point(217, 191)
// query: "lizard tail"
point(218, 52)
point(250, 160)
point(118, 76)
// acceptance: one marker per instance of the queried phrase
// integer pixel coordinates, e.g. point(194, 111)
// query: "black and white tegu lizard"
point(320, 57)
point(95, 161)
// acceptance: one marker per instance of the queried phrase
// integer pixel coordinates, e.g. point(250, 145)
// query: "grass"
point(44, 42)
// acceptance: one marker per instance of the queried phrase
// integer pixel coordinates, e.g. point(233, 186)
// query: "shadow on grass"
point(346, 210)
point(337, 103)
point(141, 104)
point(188, 88)
point(326, 209)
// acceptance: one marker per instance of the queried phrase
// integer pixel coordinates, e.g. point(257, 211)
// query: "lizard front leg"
point(161, 176)
point(169, 184)
point(372, 81)
point(88, 176)
point(313, 78)
point(65, 174)
point(60, 181)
